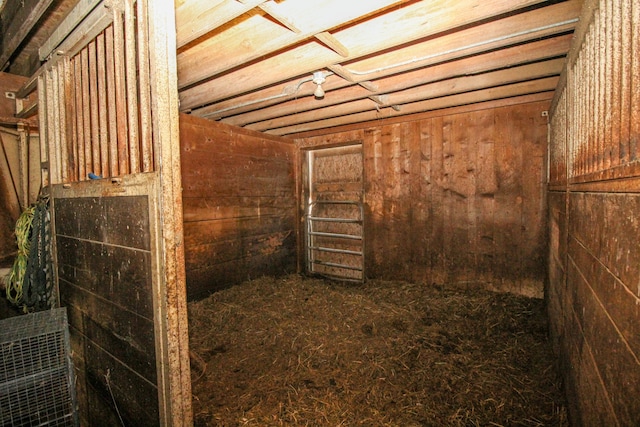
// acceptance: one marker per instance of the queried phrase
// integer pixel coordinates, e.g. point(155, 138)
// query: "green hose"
point(15, 279)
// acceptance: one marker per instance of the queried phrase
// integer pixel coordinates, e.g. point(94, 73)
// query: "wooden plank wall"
point(456, 196)
point(239, 205)
point(594, 200)
point(104, 268)
point(113, 64)
point(15, 159)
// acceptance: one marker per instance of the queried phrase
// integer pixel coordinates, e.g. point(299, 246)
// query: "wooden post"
point(172, 338)
point(23, 168)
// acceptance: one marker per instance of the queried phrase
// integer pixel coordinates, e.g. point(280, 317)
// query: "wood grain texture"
point(239, 205)
point(594, 263)
point(456, 199)
point(105, 272)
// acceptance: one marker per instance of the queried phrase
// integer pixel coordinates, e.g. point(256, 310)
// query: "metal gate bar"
point(314, 250)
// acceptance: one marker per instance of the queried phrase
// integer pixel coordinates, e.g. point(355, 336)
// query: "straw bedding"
point(306, 351)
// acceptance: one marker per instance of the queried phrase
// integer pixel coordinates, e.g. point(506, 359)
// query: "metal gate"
point(334, 213)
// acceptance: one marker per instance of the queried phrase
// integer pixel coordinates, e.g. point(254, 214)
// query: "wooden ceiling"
point(252, 63)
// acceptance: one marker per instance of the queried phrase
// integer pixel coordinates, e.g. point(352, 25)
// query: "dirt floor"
point(303, 351)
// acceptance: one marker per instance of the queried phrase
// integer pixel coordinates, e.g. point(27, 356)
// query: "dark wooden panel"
point(555, 291)
point(83, 263)
point(609, 321)
point(601, 258)
point(120, 221)
point(239, 204)
point(420, 186)
point(614, 240)
point(620, 387)
point(81, 217)
point(236, 248)
point(104, 269)
point(587, 399)
point(436, 242)
point(120, 275)
point(121, 332)
point(127, 222)
point(206, 280)
point(107, 377)
point(208, 232)
point(594, 296)
point(204, 209)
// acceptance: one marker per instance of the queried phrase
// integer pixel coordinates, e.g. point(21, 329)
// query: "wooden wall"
point(239, 205)
point(456, 196)
point(108, 104)
point(15, 159)
point(105, 274)
point(594, 205)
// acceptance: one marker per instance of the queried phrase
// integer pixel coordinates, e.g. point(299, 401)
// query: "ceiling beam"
point(17, 19)
point(336, 89)
point(517, 89)
point(414, 21)
point(470, 41)
point(427, 91)
point(509, 57)
point(333, 43)
point(255, 37)
point(521, 28)
point(426, 115)
point(274, 10)
point(70, 22)
point(195, 18)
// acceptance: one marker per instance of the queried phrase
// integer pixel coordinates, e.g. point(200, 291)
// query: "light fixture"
point(318, 78)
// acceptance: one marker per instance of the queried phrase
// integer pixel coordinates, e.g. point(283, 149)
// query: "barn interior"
point(183, 148)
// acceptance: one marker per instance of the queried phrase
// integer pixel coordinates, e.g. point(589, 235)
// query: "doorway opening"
point(334, 212)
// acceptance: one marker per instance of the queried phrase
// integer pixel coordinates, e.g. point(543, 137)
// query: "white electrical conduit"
point(288, 91)
point(458, 49)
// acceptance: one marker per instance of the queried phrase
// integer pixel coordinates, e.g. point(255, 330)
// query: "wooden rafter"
point(397, 27)
point(509, 57)
point(256, 37)
point(16, 20)
point(427, 91)
point(517, 89)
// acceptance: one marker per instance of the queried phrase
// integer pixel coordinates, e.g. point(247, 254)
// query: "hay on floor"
point(303, 351)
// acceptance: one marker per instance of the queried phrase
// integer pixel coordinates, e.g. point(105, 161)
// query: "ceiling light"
point(318, 78)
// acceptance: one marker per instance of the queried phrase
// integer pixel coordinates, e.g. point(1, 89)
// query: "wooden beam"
point(345, 74)
point(509, 57)
point(172, 343)
point(30, 111)
point(435, 90)
point(477, 39)
point(333, 43)
point(397, 27)
point(70, 22)
point(257, 37)
point(517, 89)
point(92, 25)
point(271, 8)
point(559, 18)
point(447, 111)
point(17, 19)
point(195, 18)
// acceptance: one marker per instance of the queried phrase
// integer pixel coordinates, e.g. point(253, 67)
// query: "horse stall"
point(430, 336)
point(403, 213)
